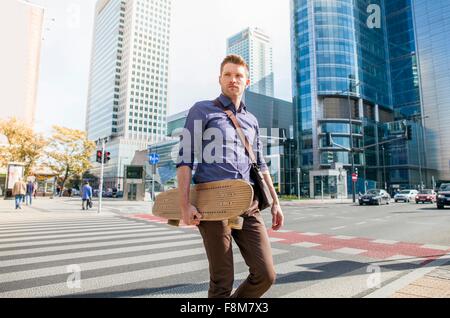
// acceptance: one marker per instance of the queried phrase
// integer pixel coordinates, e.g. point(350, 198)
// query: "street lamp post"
point(351, 142)
point(419, 153)
point(384, 169)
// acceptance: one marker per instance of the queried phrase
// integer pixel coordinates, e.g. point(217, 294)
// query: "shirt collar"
point(226, 101)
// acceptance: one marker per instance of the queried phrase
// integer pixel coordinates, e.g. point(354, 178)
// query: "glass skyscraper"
point(356, 75)
point(255, 46)
point(432, 29)
point(128, 87)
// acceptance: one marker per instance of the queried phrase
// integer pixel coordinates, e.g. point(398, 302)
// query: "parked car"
point(375, 196)
point(443, 196)
point(426, 196)
point(406, 196)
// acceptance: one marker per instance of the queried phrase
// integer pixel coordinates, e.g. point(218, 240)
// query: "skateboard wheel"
point(175, 223)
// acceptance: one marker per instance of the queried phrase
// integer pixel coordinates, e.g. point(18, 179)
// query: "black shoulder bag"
point(262, 192)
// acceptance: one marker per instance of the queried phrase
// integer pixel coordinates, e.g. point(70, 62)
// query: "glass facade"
point(128, 86)
point(431, 21)
point(102, 85)
point(358, 61)
point(255, 46)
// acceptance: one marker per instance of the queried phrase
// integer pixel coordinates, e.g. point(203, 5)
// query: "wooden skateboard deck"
point(216, 201)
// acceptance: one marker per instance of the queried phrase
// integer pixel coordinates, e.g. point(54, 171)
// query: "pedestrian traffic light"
point(329, 140)
point(408, 132)
point(107, 157)
point(99, 156)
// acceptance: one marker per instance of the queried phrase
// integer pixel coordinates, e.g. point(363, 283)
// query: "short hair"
point(235, 59)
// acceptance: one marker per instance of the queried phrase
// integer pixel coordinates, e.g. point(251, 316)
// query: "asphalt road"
point(325, 250)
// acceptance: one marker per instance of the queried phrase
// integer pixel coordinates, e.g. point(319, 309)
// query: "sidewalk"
point(436, 284)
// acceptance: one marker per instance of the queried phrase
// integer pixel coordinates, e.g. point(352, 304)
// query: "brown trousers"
point(255, 248)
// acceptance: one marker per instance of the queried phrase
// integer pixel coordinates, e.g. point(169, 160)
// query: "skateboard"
point(216, 201)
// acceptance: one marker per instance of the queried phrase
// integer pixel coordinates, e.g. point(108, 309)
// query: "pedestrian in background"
point(29, 192)
point(35, 184)
point(86, 196)
point(19, 191)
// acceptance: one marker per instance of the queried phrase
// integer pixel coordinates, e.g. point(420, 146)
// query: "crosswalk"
point(113, 256)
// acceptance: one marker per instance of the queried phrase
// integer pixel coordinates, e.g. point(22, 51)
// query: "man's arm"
point(277, 214)
point(189, 213)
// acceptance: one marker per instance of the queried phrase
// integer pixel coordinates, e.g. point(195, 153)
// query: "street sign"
point(153, 159)
point(354, 177)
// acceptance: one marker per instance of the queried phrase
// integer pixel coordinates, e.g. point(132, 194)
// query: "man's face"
point(233, 80)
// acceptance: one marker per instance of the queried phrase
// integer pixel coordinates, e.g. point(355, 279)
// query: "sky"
point(198, 44)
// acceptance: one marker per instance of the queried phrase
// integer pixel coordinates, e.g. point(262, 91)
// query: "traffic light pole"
point(100, 190)
point(352, 154)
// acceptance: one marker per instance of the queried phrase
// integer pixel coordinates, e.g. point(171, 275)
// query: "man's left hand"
point(277, 217)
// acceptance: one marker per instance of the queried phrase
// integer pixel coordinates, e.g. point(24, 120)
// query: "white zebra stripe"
point(200, 290)
point(6, 225)
point(63, 236)
point(87, 266)
point(81, 229)
point(74, 226)
point(114, 280)
point(61, 257)
point(89, 239)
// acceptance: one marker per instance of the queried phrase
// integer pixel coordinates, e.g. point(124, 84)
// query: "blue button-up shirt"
point(210, 138)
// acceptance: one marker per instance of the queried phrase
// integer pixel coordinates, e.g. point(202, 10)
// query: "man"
point(252, 240)
point(29, 193)
point(19, 191)
point(86, 196)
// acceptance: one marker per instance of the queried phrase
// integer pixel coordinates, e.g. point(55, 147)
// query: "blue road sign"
point(153, 158)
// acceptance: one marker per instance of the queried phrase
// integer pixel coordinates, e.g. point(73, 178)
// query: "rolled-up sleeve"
point(260, 152)
point(191, 137)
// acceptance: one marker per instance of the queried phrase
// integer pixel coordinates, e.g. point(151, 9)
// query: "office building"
point(21, 33)
point(255, 46)
point(357, 74)
point(128, 84)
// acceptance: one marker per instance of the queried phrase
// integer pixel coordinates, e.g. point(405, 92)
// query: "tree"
point(69, 152)
point(22, 144)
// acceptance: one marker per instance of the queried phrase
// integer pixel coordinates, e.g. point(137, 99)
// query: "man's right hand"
point(190, 215)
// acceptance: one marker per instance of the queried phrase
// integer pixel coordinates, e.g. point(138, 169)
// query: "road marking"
point(349, 251)
point(343, 237)
point(80, 230)
point(98, 235)
point(44, 225)
point(388, 242)
point(94, 265)
point(436, 247)
point(311, 234)
point(114, 280)
point(338, 228)
point(274, 239)
point(120, 240)
point(200, 290)
point(51, 229)
point(306, 244)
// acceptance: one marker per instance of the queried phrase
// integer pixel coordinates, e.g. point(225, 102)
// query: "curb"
point(390, 289)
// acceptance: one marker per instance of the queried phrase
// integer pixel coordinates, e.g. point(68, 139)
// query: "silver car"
point(406, 196)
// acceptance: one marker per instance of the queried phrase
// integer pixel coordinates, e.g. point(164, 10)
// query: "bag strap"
point(239, 131)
